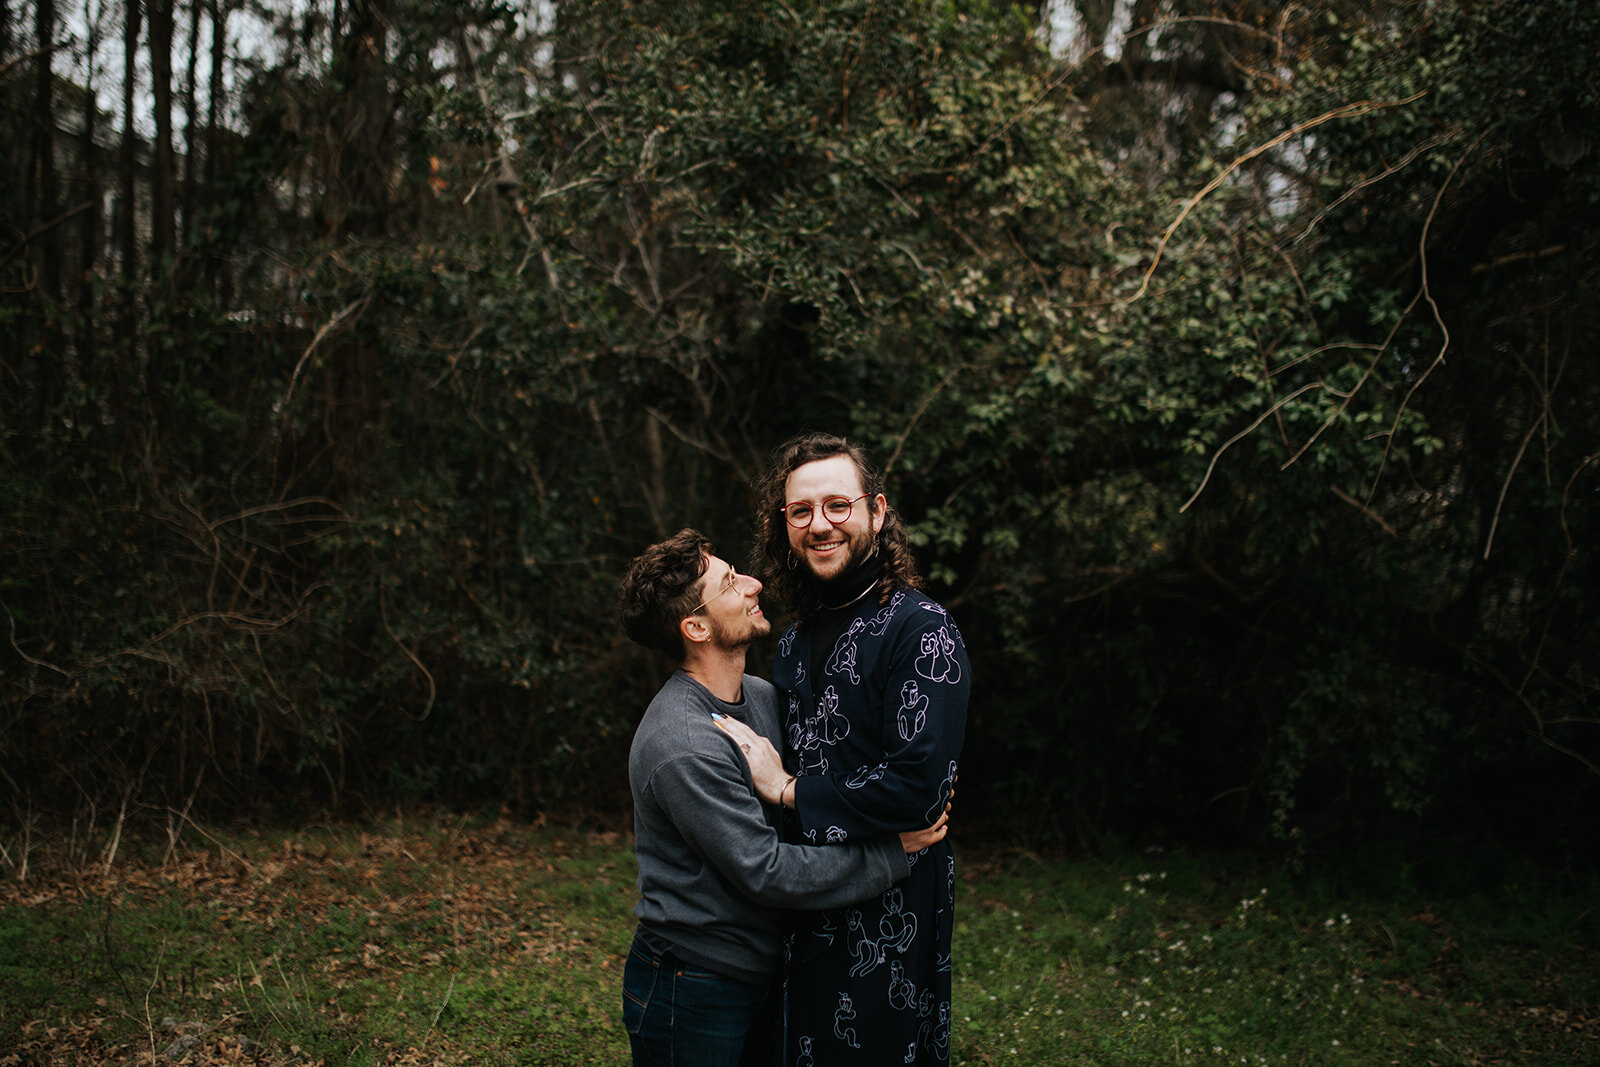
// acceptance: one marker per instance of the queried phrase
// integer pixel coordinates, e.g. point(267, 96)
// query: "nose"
point(753, 580)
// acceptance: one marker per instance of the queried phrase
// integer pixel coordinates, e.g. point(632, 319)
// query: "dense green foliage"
point(1232, 383)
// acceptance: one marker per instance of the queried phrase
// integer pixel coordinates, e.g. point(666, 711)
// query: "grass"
point(1138, 962)
point(453, 942)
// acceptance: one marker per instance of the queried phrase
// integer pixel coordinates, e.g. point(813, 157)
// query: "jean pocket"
point(639, 976)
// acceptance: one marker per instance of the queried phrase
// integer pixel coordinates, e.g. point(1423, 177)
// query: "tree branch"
point(1444, 346)
point(1241, 435)
point(44, 228)
point(1361, 107)
point(917, 415)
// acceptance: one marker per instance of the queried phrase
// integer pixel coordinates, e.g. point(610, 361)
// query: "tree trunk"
point(365, 120)
point(1136, 51)
point(128, 208)
point(191, 132)
point(217, 276)
point(163, 204)
point(40, 209)
point(128, 224)
point(47, 196)
point(163, 208)
point(89, 229)
point(356, 206)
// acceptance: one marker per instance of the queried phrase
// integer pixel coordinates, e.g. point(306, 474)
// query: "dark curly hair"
point(663, 584)
point(774, 561)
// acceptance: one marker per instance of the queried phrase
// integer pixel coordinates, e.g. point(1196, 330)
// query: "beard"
point(741, 634)
point(859, 547)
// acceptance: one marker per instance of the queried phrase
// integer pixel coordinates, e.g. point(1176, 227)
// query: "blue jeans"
point(679, 1015)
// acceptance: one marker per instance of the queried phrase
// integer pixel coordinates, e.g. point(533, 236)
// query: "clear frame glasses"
point(836, 509)
point(729, 583)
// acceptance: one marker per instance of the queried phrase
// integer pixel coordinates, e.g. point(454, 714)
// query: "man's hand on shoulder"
point(766, 766)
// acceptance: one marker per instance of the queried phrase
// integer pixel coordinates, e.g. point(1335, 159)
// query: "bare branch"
point(24, 655)
point(1444, 345)
point(1499, 504)
point(1566, 494)
point(1363, 183)
point(248, 622)
point(383, 614)
point(1315, 352)
point(506, 180)
point(1360, 107)
point(44, 228)
point(1349, 395)
point(342, 316)
point(693, 442)
point(1117, 69)
point(1517, 257)
point(1365, 510)
point(921, 408)
point(1241, 435)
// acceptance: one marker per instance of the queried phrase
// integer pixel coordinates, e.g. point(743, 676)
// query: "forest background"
point(1227, 359)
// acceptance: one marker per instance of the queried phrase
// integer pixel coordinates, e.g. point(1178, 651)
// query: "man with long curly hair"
point(873, 680)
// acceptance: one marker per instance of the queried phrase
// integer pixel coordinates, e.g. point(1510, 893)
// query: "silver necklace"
point(852, 600)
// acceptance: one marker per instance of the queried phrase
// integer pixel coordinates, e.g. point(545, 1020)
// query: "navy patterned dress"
point(875, 737)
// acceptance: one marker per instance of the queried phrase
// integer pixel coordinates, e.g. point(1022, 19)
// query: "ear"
point(880, 513)
point(694, 629)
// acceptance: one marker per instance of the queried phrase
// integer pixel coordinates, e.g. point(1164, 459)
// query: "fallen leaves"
point(351, 911)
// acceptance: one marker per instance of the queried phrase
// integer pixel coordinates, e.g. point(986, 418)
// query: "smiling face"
point(830, 551)
point(730, 607)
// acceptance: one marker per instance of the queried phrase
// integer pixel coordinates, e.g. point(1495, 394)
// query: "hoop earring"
point(793, 561)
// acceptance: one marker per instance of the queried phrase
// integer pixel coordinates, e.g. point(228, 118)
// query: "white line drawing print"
point(865, 774)
point(937, 662)
point(898, 926)
point(843, 660)
point(880, 621)
point(934, 1036)
point(913, 713)
point(827, 930)
point(827, 727)
point(831, 726)
point(819, 767)
point(944, 793)
point(903, 992)
point(846, 1012)
point(868, 954)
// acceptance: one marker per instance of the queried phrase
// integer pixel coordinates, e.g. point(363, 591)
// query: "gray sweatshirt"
point(713, 871)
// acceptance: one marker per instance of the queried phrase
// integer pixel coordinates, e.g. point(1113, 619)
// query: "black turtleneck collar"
point(852, 585)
